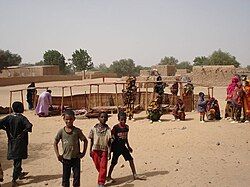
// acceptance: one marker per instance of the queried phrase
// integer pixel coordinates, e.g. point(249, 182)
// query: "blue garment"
point(201, 105)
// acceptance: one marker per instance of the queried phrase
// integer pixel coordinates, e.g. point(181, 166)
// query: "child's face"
point(69, 120)
point(103, 118)
point(122, 120)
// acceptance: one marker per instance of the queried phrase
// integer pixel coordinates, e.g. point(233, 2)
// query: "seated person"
point(213, 109)
point(154, 111)
point(179, 110)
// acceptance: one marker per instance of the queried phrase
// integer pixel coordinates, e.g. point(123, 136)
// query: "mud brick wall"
point(213, 75)
point(27, 80)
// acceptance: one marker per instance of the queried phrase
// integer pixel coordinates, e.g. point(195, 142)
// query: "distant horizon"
point(143, 30)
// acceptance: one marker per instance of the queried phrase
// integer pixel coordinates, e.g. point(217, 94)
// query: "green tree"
point(217, 58)
point(9, 59)
point(81, 60)
point(168, 61)
point(184, 65)
point(223, 58)
point(200, 61)
point(124, 67)
point(40, 63)
point(102, 68)
point(54, 57)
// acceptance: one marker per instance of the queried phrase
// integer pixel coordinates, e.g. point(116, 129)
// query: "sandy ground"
point(169, 153)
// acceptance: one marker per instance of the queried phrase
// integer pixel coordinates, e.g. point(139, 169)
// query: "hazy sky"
point(143, 30)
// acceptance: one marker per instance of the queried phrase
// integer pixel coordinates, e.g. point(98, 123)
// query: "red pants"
point(100, 159)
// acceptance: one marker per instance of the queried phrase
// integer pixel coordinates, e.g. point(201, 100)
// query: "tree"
point(168, 61)
point(8, 59)
point(223, 58)
point(217, 58)
point(200, 61)
point(40, 63)
point(53, 57)
point(102, 68)
point(184, 65)
point(81, 60)
point(124, 67)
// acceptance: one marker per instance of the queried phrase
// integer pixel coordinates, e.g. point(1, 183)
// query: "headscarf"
point(232, 86)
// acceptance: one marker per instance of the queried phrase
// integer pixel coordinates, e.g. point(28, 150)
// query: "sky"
point(143, 30)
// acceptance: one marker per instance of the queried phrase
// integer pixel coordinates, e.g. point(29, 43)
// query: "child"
point(70, 136)
point(17, 127)
point(179, 110)
point(120, 135)
point(202, 105)
point(1, 174)
point(100, 136)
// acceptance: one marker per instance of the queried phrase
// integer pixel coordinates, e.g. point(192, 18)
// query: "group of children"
point(103, 141)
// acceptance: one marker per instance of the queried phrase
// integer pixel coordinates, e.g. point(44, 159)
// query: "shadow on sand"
point(34, 152)
point(127, 180)
point(34, 179)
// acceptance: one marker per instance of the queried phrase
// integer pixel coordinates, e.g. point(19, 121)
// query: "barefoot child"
point(120, 146)
point(17, 127)
point(100, 136)
point(70, 136)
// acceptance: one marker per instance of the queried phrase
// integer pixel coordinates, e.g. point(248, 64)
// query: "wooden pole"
point(116, 95)
point(71, 97)
point(212, 92)
point(139, 99)
point(146, 103)
point(181, 90)
point(10, 101)
point(22, 96)
point(89, 96)
point(98, 95)
point(62, 99)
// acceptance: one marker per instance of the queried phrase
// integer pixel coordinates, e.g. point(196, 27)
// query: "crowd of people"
point(103, 140)
point(238, 100)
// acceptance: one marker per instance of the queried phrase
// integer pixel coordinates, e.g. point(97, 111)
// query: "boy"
point(120, 140)
point(17, 127)
point(70, 136)
point(100, 136)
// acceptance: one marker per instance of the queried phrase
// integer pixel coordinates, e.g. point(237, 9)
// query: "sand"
point(169, 153)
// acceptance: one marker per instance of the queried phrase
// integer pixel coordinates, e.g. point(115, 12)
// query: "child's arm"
point(28, 125)
point(109, 148)
point(90, 147)
point(91, 136)
point(85, 145)
point(59, 157)
point(3, 123)
point(129, 148)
